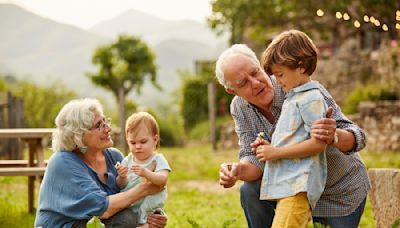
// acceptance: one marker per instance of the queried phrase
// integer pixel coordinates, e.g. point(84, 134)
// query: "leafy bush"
point(201, 131)
point(369, 92)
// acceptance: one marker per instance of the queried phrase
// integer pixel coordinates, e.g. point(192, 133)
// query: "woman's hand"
point(148, 188)
point(325, 128)
point(157, 220)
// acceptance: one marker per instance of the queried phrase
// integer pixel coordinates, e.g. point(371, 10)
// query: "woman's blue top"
point(72, 191)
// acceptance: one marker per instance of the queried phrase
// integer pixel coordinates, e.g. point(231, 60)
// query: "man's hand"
point(229, 174)
point(325, 128)
point(157, 220)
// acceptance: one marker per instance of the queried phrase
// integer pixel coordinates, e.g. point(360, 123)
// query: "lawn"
point(195, 198)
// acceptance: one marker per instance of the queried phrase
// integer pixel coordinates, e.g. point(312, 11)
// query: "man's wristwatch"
point(335, 139)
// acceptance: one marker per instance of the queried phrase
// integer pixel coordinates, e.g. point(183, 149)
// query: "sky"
point(87, 13)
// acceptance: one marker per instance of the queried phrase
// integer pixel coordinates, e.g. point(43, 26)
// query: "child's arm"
point(159, 178)
point(309, 147)
point(122, 178)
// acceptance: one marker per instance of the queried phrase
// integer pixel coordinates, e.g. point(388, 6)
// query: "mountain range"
point(44, 51)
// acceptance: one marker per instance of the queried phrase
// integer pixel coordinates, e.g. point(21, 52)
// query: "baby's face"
point(142, 144)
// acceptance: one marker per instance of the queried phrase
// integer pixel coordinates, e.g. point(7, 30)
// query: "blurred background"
point(159, 56)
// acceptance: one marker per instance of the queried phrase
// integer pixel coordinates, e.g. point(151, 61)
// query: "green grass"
point(195, 198)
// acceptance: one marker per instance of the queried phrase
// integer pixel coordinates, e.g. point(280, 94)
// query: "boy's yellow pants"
point(293, 211)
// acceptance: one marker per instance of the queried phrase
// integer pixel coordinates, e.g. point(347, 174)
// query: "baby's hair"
point(140, 119)
point(292, 49)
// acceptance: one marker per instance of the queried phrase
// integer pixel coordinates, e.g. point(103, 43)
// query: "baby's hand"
point(121, 170)
point(138, 170)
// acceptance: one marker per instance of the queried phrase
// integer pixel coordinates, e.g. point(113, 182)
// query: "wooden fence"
point(11, 116)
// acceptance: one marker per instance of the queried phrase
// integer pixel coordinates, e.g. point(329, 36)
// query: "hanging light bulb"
point(398, 13)
point(397, 26)
point(377, 23)
point(385, 27)
point(357, 24)
point(320, 13)
point(372, 19)
point(366, 18)
point(338, 15)
point(346, 17)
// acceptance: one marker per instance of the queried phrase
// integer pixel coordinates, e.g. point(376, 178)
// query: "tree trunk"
point(121, 107)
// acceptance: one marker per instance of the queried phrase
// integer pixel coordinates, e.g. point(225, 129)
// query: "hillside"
point(45, 51)
point(155, 30)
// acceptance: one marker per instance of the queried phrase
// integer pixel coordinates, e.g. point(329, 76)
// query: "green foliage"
point(258, 19)
point(124, 64)
point(42, 104)
point(194, 102)
point(3, 86)
point(194, 99)
point(369, 92)
point(201, 131)
point(396, 224)
point(170, 130)
point(95, 222)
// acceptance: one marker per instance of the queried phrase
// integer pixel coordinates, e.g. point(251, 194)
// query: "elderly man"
point(256, 108)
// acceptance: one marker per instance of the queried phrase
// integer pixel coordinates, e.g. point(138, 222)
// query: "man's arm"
point(325, 129)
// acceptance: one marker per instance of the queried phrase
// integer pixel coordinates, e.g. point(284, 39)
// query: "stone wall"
point(385, 196)
point(381, 123)
point(352, 66)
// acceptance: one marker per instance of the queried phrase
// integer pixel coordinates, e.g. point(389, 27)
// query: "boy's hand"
point(122, 170)
point(265, 152)
point(139, 170)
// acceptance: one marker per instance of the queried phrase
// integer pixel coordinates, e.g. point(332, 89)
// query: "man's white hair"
point(236, 49)
point(73, 120)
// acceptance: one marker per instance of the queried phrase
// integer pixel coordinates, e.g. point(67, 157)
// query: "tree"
point(41, 104)
point(255, 22)
point(123, 66)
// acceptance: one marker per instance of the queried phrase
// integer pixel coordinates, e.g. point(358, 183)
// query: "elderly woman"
point(80, 180)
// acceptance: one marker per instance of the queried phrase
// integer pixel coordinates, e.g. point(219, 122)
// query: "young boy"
point(296, 184)
point(143, 137)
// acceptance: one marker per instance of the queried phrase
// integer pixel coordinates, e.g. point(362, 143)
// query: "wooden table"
point(33, 137)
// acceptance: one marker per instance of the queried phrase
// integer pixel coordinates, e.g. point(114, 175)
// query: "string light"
point(346, 17)
point(320, 13)
point(357, 24)
point(372, 19)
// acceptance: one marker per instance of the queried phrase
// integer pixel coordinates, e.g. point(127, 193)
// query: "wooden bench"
point(17, 163)
point(32, 169)
point(22, 171)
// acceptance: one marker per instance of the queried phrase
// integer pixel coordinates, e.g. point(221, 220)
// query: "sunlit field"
point(195, 198)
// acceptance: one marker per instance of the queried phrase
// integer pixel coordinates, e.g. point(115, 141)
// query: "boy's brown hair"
point(292, 49)
point(140, 119)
